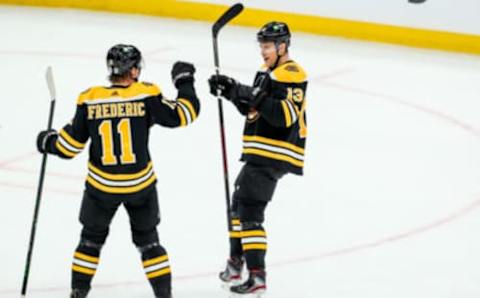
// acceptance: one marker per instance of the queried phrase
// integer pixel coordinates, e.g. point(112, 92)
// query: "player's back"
point(118, 122)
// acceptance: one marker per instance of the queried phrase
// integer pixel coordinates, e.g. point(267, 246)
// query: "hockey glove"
point(250, 96)
point(237, 93)
point(182, 72)
point(223, 83)
point(44, 140)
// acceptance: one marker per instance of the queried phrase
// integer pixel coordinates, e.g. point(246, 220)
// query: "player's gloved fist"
point(44, 138)
point(182, 72)
point(250, 96)
point(226, 85)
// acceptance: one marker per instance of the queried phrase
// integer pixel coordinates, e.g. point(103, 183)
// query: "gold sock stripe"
point(254, 233)
point(254, 246)
point(159, 273)
point(83, 270)
point(154, 261)
point(235, 234)
point(235, 228)
point(85, 257)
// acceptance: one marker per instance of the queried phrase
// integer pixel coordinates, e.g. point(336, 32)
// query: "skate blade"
point(226, 285)
point(257, 294)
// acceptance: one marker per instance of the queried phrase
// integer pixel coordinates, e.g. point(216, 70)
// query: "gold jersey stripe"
point(181, 114)
point(85, 257)
point(272, 155)
point(294, 106)
point(255, 233)
point(135, 89)
point(120, 177)
point(273, 142)
point(254, 246)
point(83, 270)
point(190, 107)
point(64, 150)
point(71, 140)
point(121, 190)
point(155, 261)
point(286, 113)
point(158, 273)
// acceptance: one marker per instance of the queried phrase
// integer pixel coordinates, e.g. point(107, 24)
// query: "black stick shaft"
point(37, 208)
point(222, 138)
point(231, 13)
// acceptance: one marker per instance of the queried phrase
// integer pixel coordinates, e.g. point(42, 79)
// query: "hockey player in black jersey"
point(273, 145)
point(117, 120)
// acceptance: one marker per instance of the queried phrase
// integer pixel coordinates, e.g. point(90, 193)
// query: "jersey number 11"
point(106, 133)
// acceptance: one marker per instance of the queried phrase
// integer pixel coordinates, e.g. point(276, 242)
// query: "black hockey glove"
point(223, 83)
point(250, 96)
point(182, 72)
point(237, 93)
point(44, 138)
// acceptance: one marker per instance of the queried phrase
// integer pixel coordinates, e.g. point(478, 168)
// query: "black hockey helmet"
point(121, 58)
point(277, 32)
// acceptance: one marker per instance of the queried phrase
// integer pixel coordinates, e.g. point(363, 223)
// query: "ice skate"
point(254, 286)
point(79, 293)
point(232, 275)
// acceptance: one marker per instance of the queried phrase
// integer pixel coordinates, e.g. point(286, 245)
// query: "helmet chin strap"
point(277, 48)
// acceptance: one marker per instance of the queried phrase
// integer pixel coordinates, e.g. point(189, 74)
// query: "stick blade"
point(231, 13)
point(50, 83)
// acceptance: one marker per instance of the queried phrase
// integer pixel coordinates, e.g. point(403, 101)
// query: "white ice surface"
point(389, 205)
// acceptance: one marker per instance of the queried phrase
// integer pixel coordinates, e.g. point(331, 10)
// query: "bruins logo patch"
point(292, 68)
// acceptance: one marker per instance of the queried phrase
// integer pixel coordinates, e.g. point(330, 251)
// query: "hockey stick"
point(51, 88)
point(231, 13)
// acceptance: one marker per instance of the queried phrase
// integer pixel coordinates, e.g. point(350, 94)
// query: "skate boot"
point(79, 293)
point(166, 295)
point(162, 291)
point(233, 271)
point(255, 284)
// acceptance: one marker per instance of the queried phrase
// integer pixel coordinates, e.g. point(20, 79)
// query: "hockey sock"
point(254, 245)
point(235, 239)
point(85, 262)
point(157, 268)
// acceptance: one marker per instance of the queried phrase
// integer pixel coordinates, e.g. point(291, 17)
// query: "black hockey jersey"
point(117, 121)
point(276, 132)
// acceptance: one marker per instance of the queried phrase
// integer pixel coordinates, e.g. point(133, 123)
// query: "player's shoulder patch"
point(290, 72)
point(292, 68)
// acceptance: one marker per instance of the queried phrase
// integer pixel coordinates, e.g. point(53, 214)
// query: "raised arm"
point(185, 109)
